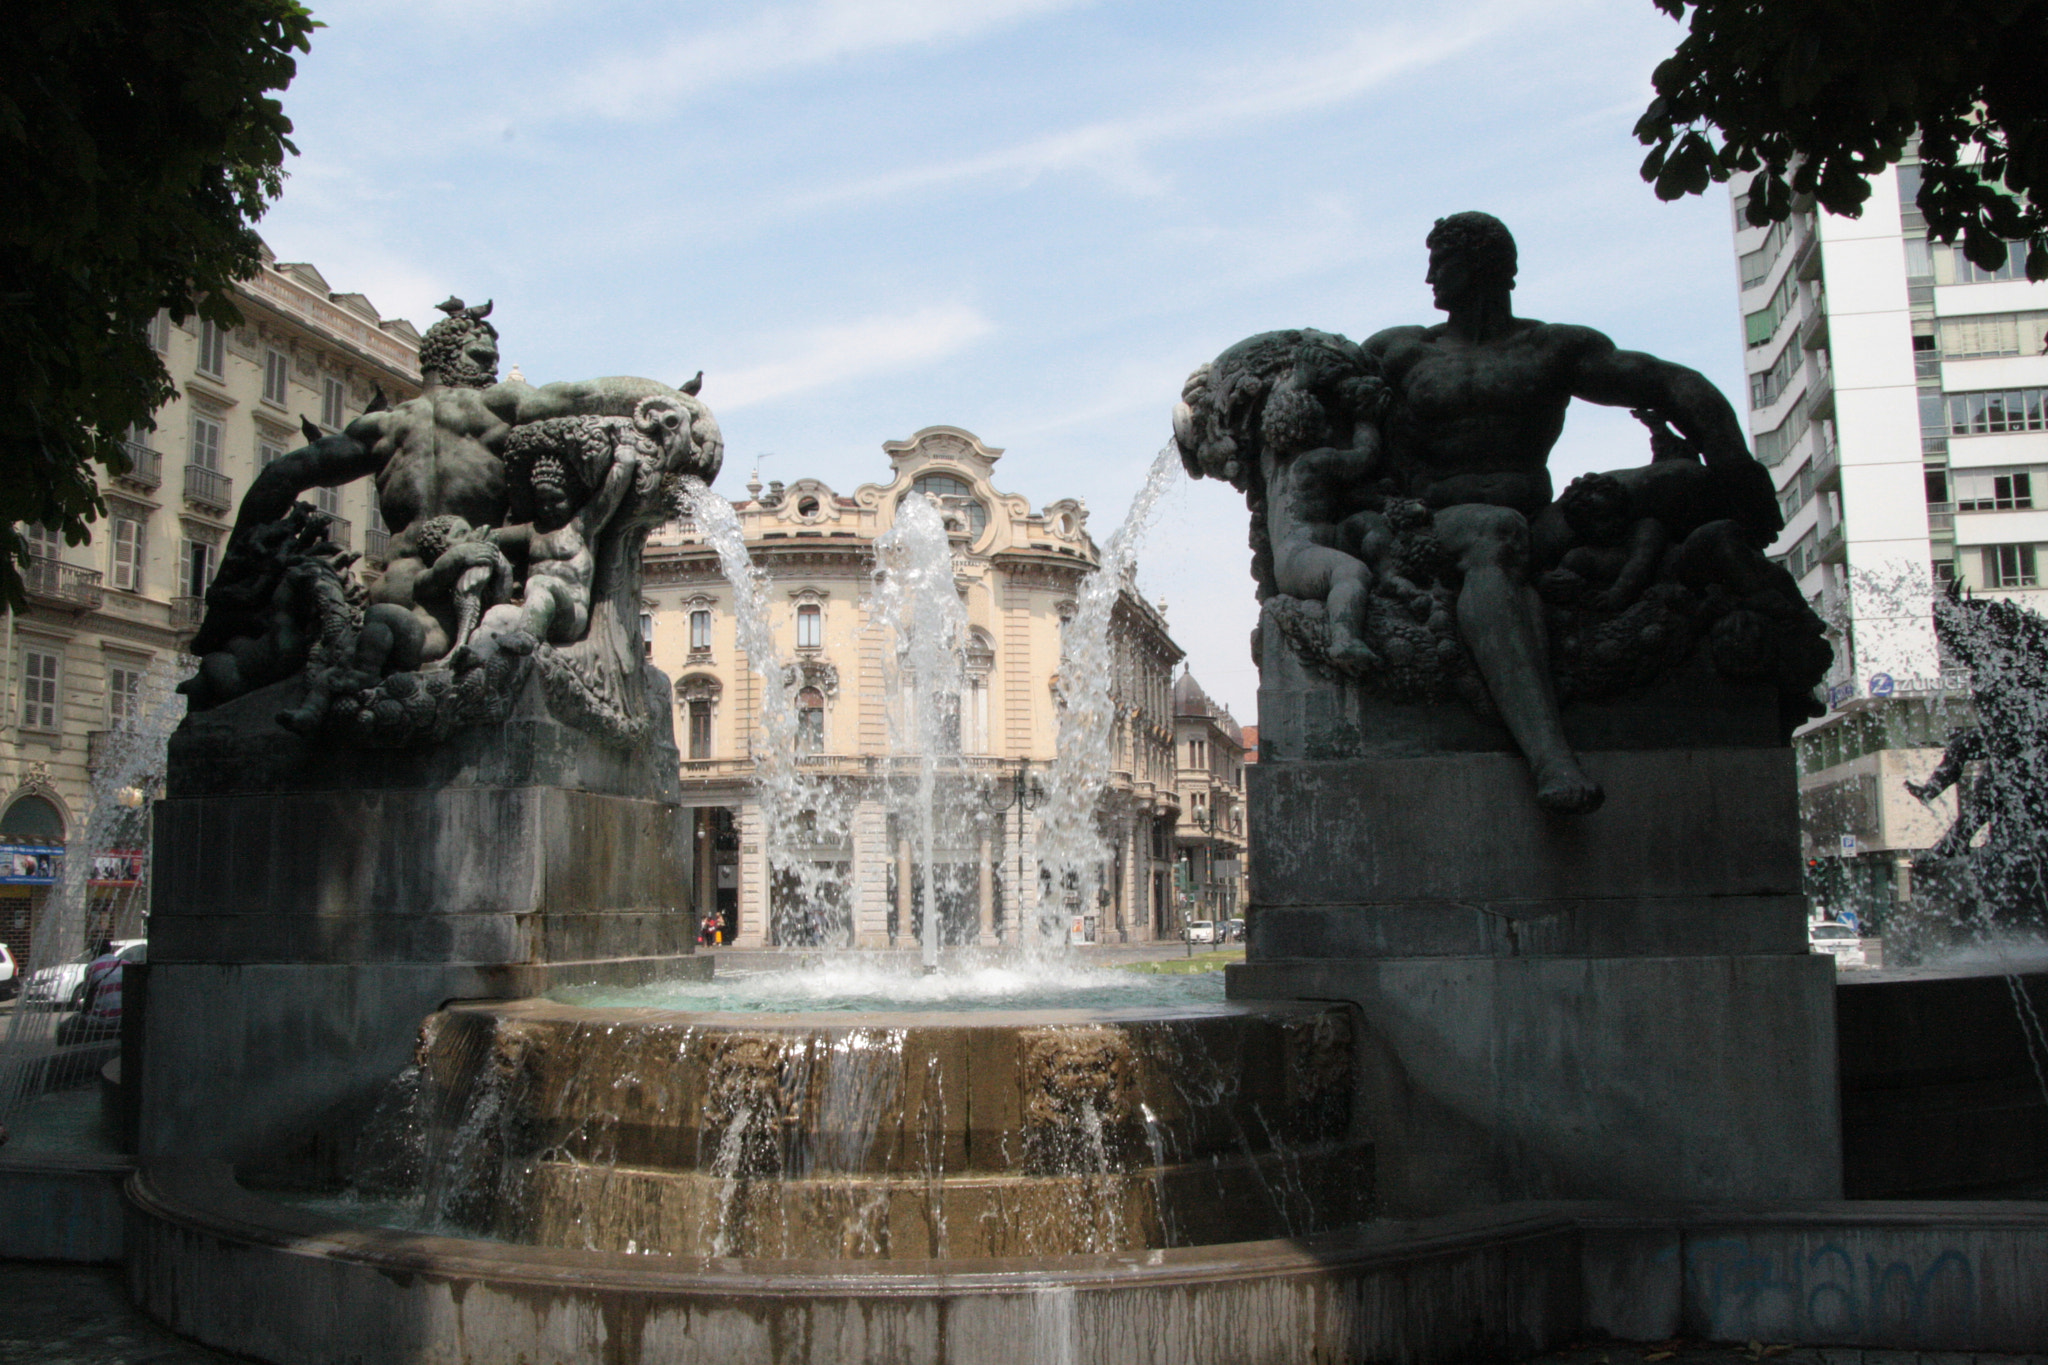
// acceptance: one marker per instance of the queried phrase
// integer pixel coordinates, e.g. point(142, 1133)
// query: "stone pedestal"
point(1617, 1005)
point(310, 908)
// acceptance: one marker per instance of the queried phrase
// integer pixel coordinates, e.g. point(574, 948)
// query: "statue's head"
point(433, 536)
point(461, 350)
point(555, 489)
point(1597, 508)
point(1470, 253)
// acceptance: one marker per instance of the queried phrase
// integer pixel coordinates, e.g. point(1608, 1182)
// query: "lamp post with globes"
point(1023, 792)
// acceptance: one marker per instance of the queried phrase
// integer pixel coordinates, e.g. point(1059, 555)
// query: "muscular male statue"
point(439, 454)
point(1478, 401)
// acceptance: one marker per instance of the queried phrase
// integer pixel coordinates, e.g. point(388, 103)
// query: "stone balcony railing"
point(57, 584)
point(145, 466)
point(340, 530)
point(187, 613)
point(209, 489)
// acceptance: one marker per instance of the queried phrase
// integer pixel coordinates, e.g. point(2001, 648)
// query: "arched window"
point(944, 486)
point(810, 720)
point(32, 820)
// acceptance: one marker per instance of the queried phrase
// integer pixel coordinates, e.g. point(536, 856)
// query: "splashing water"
point(1072, 846)
point(916, 602)
point(810, 818)
point(131, 765)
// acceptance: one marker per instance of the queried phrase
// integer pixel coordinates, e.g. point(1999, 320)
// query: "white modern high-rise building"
point(1896, 391)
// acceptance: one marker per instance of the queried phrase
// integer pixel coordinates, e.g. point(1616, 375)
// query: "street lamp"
point(1024, 793)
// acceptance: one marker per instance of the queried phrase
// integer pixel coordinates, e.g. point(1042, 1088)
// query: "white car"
point(63, 986)
point(10, 979)
point(1200, 931)
point(1838, 941)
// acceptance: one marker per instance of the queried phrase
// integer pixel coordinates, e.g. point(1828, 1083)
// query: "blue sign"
point(1840, 693)
point(1880, 684)
point(30, 865)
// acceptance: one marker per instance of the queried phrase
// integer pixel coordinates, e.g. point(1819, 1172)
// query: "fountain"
point(1506, 1066)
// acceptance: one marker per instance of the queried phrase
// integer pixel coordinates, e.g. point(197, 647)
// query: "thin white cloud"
point(653, 78)
point(1114, 149)
point(836, 353)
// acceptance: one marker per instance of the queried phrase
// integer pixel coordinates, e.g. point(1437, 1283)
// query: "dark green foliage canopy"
point(1818, 95)
point(138, 142)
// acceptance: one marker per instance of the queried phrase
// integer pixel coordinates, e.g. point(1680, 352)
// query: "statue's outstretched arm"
point(518, 403)
point(1689, 401)
point(346, 456)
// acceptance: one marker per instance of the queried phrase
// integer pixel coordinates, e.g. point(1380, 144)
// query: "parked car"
point(10, 978)
point(1232, 931)
point(99, 1014)
point(1838, 941)
point(1200, 931)
point(63, 986)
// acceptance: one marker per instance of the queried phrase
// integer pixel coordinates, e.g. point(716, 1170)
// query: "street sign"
point(1848, 845)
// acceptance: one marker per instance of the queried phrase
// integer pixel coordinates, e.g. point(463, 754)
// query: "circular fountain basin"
point(928, 1135)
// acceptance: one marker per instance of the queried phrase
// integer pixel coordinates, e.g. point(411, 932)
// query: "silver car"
point(1838, 941)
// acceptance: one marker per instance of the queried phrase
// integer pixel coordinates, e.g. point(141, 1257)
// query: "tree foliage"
point(138, 143)
point(1817, 96)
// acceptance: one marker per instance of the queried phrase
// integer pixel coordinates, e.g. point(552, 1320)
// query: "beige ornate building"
point(107, 621)
point(1018, 572)
point(1210, 749)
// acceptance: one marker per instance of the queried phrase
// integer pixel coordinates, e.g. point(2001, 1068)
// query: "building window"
point(1993, 334)
point(158, 330)
point(127, 566)
point(327, 499)
point(700, 728)
point(1961, 270)
point(268, 453)
point(646, 634)
point(1984, 414)
point(810, 720)
point(331, 391)
point(213, 348)
point(2009, 566)
point(944, 486)
point(810, 626)
point(39, 689)
point(1993, 490)
point(198, 568)
point(700, 631)
point(277, 372)
point(206, 436)
point(41, 541)
point(124, 696)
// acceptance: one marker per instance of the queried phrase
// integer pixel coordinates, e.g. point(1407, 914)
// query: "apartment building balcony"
point(187, 613)
point(339, 530)
point(1820, 387)
point(1941, 519)
point(54, 583)
point(209, 489)
point(1833, 547)
point(145, 466)
point(376, 544)
point(1806, 260)
point(1827, 466)
point(1813, 328)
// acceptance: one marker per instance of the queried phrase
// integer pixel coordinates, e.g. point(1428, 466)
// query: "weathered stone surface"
point(1644, 926)
point(1677, 823)
point(1306, 717)
point(279, 1063)
point(236, 748)
point(1489, 1079)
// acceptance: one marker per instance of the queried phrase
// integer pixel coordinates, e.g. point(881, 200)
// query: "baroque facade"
point(1018, 572)
point(1897, 393)
point(108, 621)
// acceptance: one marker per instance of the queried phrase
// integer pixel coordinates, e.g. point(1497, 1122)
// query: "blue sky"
point(1029, 218)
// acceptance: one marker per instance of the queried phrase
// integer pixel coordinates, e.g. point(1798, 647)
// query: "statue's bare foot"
point(1353, 656)
point(1562, 787)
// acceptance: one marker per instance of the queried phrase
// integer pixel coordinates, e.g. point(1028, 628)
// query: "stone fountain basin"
point(982, 1133)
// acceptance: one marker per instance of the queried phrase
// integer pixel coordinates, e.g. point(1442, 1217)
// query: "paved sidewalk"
point(79, 1315)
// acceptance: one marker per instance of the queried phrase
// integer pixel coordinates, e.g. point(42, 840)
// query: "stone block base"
point(1489, 1079)
point(277, 1065)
